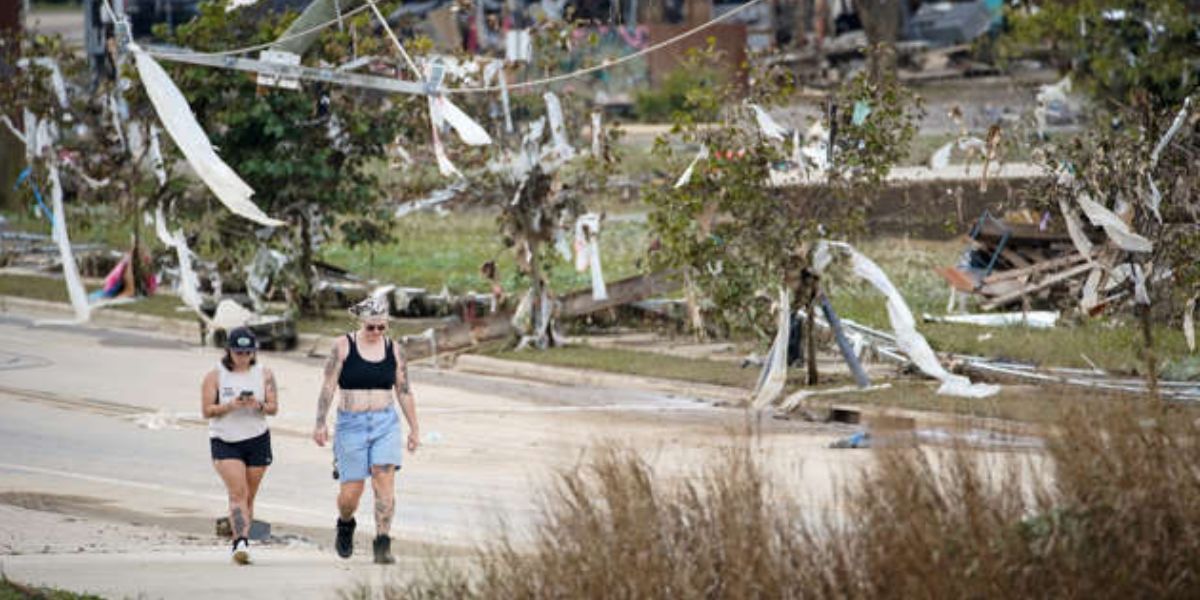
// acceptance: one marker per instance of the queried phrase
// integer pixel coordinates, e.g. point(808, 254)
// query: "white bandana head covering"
point(371, 308)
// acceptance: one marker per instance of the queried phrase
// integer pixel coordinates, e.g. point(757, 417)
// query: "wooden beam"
point(458, 336)
point(1045, 283)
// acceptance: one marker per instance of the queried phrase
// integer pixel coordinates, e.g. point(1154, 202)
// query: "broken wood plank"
point(457, 336)
point(1037, 267)
point(1045, 283)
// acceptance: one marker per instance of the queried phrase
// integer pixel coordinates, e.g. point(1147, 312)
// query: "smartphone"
point(246, 394)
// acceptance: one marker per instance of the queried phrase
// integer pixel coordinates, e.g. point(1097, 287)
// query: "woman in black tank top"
point(360, 374)
point(372, 377)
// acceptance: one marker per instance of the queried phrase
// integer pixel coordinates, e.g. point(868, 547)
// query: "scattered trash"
point(1041, 319)
point(773, 377)
point(909, 341)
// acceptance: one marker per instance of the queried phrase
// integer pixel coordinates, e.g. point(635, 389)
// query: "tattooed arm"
point(270, 404)
point(333, 368)
point(404, 395)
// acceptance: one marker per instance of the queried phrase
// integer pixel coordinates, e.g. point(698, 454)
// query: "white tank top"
point(243, 423)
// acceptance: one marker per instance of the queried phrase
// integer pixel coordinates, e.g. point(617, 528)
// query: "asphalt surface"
point(102, 448)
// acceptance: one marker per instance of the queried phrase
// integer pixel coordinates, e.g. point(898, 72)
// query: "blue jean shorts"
point(366, 439)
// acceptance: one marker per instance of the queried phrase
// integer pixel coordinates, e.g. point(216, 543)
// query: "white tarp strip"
point(495, 69)
point(769, 127)
point(1037, 319)
point(1155, 198)
point(1090, 296)
point(1189, 324)
point(1166, 138)
point(137, 142)
point(189, 284)
point(13, 128)
point(558, 131)
point(56, 79)
point(1140, 295)
point(1075, 229)
point(686, 177)
point(236, 4)
point(75, 289)
point(911, 342)
point(1116, 229)
point(156, 157)
point(436, 119)
point(597, 147)
point(181, 124)
point(773, 377)
point(587, 244)
point(115, 112)
point(472, 133)
point(941, 157)
point(160, 228)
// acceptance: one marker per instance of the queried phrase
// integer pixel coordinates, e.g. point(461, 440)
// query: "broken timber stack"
point(1018, 265)
point(456, 336)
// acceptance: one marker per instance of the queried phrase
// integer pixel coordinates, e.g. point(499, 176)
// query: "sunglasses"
point(375, 327)
point(243, 352)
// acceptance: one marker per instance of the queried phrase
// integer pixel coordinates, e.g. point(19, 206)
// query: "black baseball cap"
point(241, 338)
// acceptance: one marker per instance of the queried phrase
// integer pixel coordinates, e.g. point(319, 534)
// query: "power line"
point(475, 89)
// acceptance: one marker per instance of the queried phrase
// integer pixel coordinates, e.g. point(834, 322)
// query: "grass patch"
point(11, 590)
point(52, 289)
point(433, 251)
point(646, 364)
point(1030, 404)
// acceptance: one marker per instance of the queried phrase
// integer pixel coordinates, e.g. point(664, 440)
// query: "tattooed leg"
point(233, 473)
point(383, 483)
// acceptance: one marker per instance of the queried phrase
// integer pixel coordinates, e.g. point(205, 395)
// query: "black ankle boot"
point(383, 550)
point(345, 537)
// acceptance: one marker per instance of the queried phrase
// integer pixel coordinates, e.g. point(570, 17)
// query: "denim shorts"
point(366, 439)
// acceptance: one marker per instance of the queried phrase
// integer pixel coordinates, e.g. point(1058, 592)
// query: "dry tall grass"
point(1117, 515)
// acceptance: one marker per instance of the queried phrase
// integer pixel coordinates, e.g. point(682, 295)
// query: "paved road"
point(101, 427)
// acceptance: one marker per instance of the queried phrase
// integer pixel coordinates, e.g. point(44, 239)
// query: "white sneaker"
point(241, 551)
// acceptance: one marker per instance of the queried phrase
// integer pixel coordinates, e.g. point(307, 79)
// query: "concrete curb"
point(486, 365)
point(106, 317)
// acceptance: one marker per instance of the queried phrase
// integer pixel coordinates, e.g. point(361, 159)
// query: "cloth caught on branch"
point(904, 326)
point(686, 177)
point(587, 252)
point(75, 289)
point(180, 123)
point(1117, 230)
point(561, 149)
point(1189, 324)
point(767, 125)
point(56, 79)
point(773, 377)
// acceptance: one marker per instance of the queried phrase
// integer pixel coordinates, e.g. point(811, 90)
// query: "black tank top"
point(360, 374)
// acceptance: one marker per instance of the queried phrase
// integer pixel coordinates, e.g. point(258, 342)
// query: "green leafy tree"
point(1117, 50)
point(307, 154)
point(1138, 62)
point(734, 235)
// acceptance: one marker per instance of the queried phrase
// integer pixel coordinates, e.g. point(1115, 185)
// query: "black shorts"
point(255, 452)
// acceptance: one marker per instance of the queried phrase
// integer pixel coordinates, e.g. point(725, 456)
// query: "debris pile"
point(1009, 263)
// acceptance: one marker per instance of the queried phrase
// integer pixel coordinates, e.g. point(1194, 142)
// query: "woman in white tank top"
point(236, 398)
